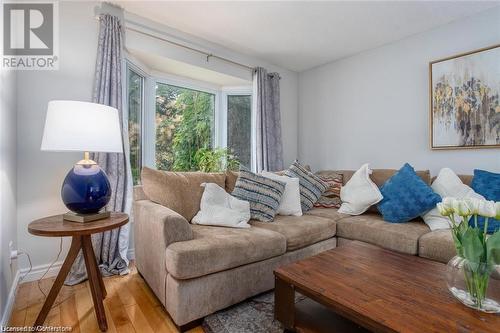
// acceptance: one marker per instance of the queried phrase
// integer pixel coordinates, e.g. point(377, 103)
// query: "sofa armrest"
point(155, 228)
point(160, 224)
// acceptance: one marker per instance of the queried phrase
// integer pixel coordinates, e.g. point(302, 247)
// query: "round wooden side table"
point(56, 226)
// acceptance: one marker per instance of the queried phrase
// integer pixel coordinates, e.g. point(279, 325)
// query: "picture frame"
point(464, 100)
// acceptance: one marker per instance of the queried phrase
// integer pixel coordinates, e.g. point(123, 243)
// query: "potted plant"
point(474, 273)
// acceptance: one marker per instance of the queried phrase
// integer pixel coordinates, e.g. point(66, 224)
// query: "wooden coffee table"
point(378, 289)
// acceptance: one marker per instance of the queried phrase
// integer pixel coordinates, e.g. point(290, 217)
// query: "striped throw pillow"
point(263, 194)
point(331, 197)
point(311, 186)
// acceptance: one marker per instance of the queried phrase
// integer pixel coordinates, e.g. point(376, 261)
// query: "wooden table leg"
point(95, 285)
point(76, 244)
point(101, 282)
point(284, 304)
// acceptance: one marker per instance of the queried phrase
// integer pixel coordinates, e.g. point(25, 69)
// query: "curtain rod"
point(208, 55)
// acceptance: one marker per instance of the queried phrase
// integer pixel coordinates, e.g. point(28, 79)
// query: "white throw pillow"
point(359, 193)
point(290, 202)
point(447, 184)
point(219, 208)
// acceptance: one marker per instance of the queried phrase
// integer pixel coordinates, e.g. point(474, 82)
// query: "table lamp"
point(84, 127)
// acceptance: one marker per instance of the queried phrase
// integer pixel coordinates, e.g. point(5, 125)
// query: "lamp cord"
point(29, 261)
point(44, 274)
point(50, 266)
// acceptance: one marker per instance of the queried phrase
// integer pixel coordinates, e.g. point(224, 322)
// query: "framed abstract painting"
point(465, 100)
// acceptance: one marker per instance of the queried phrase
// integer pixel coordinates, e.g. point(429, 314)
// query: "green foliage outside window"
point(216, 160)
point(135, 83)
point(184, 131)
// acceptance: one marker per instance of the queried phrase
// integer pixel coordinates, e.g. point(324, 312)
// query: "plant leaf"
point(493, 248)
point(472, 246)
point(458, 243)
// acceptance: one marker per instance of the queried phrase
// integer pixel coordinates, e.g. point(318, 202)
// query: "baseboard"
point(7, 312)
point(38, 271)
point(35, 274)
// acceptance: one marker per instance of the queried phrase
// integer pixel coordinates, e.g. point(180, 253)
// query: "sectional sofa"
point(196, 270)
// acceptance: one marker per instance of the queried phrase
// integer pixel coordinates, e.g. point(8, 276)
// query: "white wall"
point(7, 183)
point(373, 106)
point(40, 174)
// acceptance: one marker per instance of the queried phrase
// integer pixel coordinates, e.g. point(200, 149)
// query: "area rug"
point(255, 315)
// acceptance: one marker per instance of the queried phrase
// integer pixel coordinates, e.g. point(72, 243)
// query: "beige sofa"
point(196, 270)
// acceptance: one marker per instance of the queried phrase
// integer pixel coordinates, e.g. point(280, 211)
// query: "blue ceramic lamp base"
point(86, 188)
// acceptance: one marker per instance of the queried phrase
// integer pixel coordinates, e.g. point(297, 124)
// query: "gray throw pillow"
point(311, 186)
point(263, 194)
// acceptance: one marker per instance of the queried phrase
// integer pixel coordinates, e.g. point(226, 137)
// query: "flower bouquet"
point(474, 274)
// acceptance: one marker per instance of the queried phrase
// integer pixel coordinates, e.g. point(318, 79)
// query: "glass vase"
point(476, 285)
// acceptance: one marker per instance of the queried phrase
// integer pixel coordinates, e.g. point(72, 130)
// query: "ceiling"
point(299, 35)
point(166, 65)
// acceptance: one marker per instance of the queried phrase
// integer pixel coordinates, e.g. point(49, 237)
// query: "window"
point(135, 86)
point(178, 124)
point(239, 127)
point(184, 124)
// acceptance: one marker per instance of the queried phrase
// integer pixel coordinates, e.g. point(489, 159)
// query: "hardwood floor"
point(130, 306)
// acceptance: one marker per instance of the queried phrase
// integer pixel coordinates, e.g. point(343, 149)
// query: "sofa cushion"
point(379, 177)
point(437, 245)
point(447, 184)
point(216, 249)
point(331, 197)
point(179, 191)
point(406, 196)
point(328, 213)
point(360, 192)
point(263, 194)
point(300, 231)
point(466, 179)
point(487, 184)
point(371, 228)
point(231, 178)
point(311, 186)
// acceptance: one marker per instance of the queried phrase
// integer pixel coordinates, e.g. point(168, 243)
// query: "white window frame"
point(130, 66)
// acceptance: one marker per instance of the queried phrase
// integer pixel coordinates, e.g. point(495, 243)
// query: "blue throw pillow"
point(406, 196)
point(488, 185)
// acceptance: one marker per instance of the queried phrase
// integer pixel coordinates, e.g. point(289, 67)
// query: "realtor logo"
point(30, 36)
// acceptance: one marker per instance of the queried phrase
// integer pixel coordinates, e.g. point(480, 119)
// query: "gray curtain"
point(111, 246)
point(269, 147)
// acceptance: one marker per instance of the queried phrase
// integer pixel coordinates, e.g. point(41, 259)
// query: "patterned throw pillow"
point(311, 186)
point(331, 197)
point(488, 185)
point(263, 194)
point(406, 196)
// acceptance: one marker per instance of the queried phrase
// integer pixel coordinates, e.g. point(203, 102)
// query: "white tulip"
point(487, 208)
point(449, 204)
point(442, 209)
point(461, 208)
point(473, 204)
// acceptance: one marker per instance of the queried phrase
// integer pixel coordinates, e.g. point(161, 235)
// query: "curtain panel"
point(110, 247)
point(268, 141)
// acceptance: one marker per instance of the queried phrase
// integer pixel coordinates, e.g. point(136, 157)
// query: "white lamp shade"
point(82, 126)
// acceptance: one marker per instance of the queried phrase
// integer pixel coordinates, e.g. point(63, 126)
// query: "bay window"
point(174, 123)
